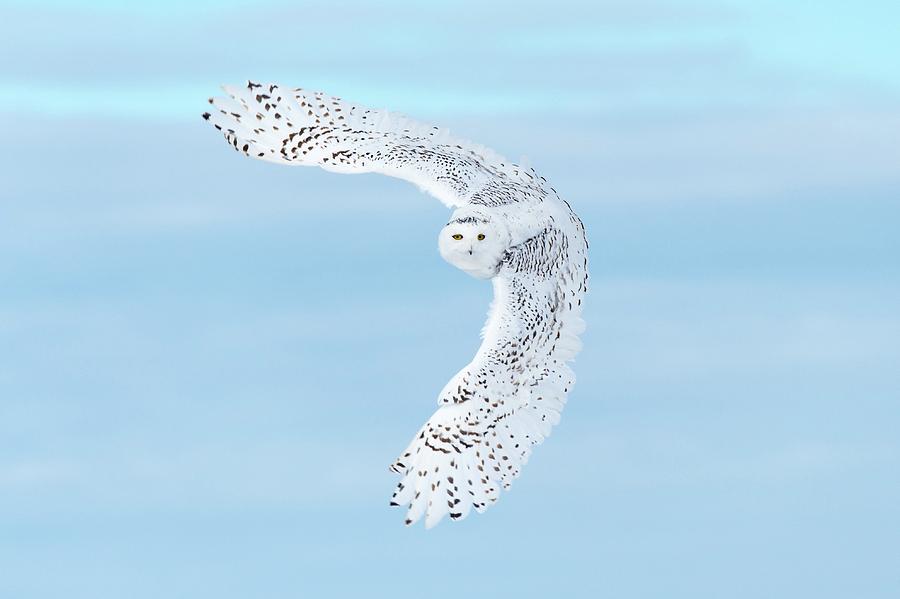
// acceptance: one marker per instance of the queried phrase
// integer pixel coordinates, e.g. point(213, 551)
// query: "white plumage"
point(509, 226)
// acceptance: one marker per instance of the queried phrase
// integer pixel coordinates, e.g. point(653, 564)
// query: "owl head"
point(474, 242)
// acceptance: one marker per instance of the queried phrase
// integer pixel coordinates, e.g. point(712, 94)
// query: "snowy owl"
point(508, 226)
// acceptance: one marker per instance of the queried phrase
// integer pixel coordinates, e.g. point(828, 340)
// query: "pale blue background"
point(206, 362)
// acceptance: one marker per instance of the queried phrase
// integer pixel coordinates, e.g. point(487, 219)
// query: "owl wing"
point(300, 127)
point(508, 398)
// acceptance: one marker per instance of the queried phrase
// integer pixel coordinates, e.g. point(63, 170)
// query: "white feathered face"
point(474, 244)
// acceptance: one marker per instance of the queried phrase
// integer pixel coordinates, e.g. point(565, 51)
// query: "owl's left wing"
point(308, 128)
point(508, 398)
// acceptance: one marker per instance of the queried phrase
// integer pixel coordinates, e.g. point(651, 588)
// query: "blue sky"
point(206, 363)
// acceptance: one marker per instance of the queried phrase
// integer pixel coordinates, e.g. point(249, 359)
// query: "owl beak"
point(470, 251)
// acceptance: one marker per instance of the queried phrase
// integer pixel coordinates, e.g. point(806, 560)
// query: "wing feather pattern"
point(506, 401)
point(301, 127)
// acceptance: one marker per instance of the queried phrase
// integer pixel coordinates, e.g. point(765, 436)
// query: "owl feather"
point(506, 401)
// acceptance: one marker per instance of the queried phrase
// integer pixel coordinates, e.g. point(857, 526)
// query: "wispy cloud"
point(203, 356)
point(575, 58)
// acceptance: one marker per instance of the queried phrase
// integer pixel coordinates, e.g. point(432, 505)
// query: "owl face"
point(474, 244)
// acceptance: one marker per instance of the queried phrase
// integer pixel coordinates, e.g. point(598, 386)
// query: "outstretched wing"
point(295, 126)
point(508, 398)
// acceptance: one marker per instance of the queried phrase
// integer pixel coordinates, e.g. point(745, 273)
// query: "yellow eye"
point(456, 236)
point(481, 237)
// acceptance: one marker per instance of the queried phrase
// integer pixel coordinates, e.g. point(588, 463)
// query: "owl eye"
point(481, 237)
point(456, 236)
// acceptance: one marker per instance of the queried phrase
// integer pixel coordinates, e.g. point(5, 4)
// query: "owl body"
point(508, 226)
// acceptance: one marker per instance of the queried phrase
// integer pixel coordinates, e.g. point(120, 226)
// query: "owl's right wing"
point(508, 398)
point(300, 127)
